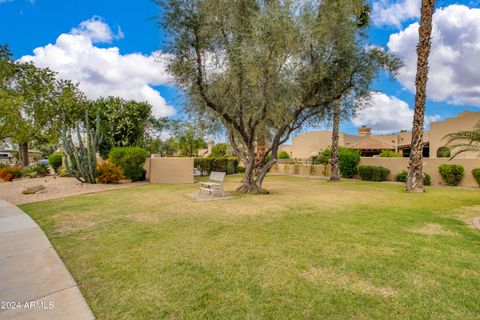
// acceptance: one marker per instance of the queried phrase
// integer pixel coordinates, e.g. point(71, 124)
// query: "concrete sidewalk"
point(34, 282)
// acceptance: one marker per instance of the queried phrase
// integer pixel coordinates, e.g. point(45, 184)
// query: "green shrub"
point(476, 175)
point(35, 171)
point(349, 160)
point(219, 151)
point(402, 177)
point(452, 174)
point(131, 160)
point(283, 155)
point(373, 173)
point(222, 164)
point(240, 169)
point(63, 172)
point(389, 154)
point(443, 152)
point(109, 173)
point(55, 160)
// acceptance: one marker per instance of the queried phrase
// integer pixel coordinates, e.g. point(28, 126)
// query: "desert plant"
point(452, 174)
point(373, 173)
point(8, 173)
point(55, 160)
point(109, 173)
point(464, 141)
point(63, 172)
point(131, 160)
point(476, 175)
point(389, 154)
point(402, 177)
point(35, 171)
point(81, 160)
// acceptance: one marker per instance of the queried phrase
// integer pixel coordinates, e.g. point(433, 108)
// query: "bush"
point(35, 171)
point(240, 169)
point(8, 173)
point(283, 155)
point(222, 164)
point(402, 177)
point(373, 173)
point(476, 175)
point(108, 172)
point(349, 160)
point(219, 151)
point(55, 160)
point(389, 154)
point(63, 172)
point(443, 152)
point(452, 174)
point(131, 160)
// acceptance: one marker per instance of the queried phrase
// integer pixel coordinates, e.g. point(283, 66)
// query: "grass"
point(311, 249)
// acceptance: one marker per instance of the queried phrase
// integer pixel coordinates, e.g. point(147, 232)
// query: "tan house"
point(310, 143)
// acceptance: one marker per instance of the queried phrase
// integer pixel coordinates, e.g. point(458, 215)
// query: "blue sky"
point(95, 26)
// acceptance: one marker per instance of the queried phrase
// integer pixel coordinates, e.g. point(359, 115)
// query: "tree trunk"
point(255, 172)
point(23, 154)
point(415, 167)
point(334, 160)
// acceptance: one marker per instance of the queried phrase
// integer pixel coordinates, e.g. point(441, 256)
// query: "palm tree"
point(464, 141)
point(334, 160)
point(415, 168)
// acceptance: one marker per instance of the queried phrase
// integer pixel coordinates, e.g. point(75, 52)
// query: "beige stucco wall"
point(430, 166)
point(438, 130)
point(395, 165)
point(169, 170)
point(306, 144)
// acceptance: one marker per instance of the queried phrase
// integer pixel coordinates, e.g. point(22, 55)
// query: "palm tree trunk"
point(415, 168)
point(334, 160)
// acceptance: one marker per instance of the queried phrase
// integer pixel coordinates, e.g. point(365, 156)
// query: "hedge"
point(452, 174)
point(373, 173)
point(131, 160)
point(476, 175)
point(402, 177)
point(349, 160)
point(221, 164)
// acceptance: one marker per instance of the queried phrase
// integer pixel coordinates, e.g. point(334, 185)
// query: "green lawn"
point(311, 249)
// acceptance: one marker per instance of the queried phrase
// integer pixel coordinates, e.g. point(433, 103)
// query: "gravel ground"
point(56, 187)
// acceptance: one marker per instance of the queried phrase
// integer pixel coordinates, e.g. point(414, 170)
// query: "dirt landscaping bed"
point(56, 187)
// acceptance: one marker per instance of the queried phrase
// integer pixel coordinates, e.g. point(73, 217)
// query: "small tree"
point(219, 150)
point(188, 139)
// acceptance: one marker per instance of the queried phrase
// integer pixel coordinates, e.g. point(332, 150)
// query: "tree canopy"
point(264, 69)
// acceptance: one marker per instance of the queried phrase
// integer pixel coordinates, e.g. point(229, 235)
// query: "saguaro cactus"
point(81, 160)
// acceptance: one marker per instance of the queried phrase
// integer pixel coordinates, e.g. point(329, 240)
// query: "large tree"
point(264, 69)
point(415, 166)
point(123, 122)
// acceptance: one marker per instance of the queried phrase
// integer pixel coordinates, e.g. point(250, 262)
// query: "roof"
point(371, 143)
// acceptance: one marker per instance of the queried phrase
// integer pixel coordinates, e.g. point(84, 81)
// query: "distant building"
point(311, 143)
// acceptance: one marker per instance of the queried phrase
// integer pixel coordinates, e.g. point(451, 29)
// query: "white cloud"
point(97, 30)
point(393, 13)
point(454, 62)
point(386, 114)
point(105, 72)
